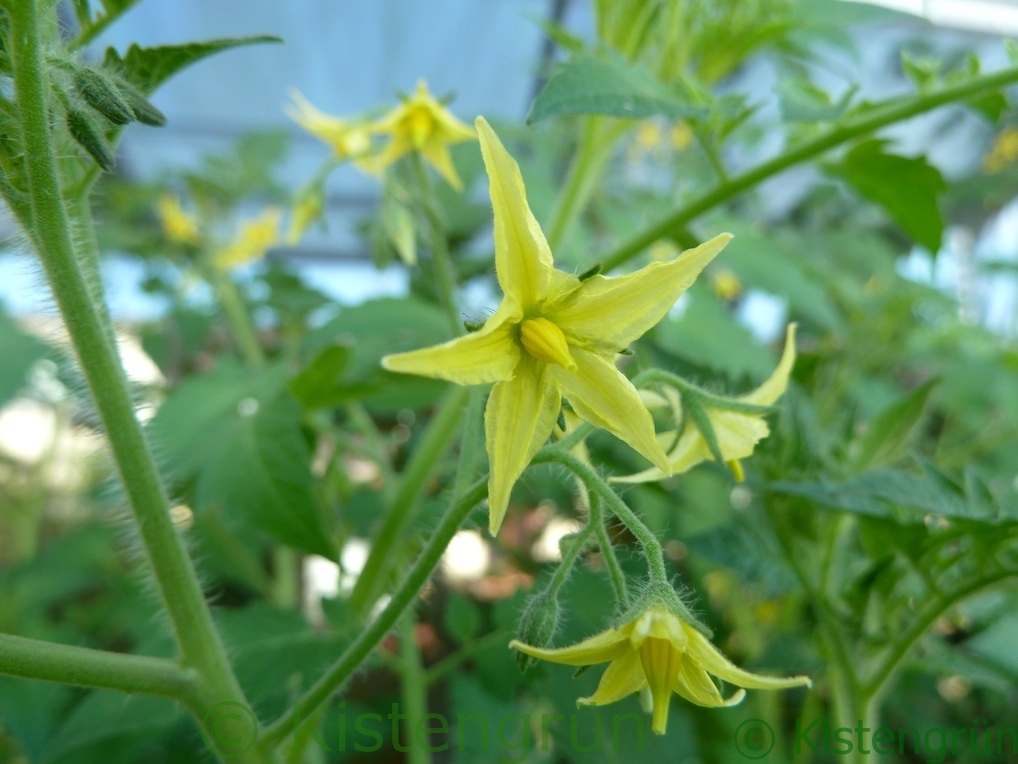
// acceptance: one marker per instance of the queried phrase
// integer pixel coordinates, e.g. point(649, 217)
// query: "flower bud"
point(143, 109)
point(537, 625)
point(102, 95)
point(89, 136)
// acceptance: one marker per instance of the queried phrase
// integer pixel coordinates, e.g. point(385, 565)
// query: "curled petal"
point(776, 385)
point(623, 677)
point(606, 646)
point(711, 659)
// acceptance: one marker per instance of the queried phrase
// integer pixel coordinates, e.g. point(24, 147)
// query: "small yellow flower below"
point(349, 139)
point(661, 653)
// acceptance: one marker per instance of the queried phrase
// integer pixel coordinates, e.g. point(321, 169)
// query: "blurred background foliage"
point(880, 515)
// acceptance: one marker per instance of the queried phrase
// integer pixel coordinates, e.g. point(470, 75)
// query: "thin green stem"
point(887, 113)
point(414, 690)
point(175, 578)
point(587, 164)
point(447, 664)
point(241, 326)
point(368, 639)
point(651, 546)
point(67, 664)
point(426, 455)
point(611, 562)
point(444, 276)
point(571, 553)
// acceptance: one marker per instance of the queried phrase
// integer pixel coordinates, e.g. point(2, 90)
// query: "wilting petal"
point(776, 385)
point(710, 658)
point(608, 313)
point(518, 419)
point(602, 395)
point(606, 646)
point(623, 677)
point(489, 355)
point(522, 256)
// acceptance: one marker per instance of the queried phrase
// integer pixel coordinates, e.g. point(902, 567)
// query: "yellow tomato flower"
point(253, 240)
point(552, 336)
point(422, 124)
point(349, 139)
point(737, 432)
point(726, 285)
point(660, 652)
point(177, 224)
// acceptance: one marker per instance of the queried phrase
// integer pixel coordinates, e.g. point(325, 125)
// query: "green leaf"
point(91, 23)
point(462, 618)
point(802, 101)
point(148, 68)
point(907, 188)
point(611, 86)
point(236, 433)
point(886, 440)
point(19, 351)
point(319, 384)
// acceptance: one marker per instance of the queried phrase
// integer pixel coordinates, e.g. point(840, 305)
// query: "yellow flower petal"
point(711, 659)
point(436, 153)
point(776, 385)
point(488, 355)
point(695, 685)
point(347, 138)
point(608, 313)
point(606, 646)
point(602, 395)
point(623, 677)
point(522, 257)
point(518, 419)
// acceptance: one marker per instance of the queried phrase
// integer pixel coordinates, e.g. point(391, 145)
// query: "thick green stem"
point(888, 113)
point(444, 275)
point(373, 633)
point(581, 180)
point(431, 449)
point(651, 546)
point(175, 578)
point(35, 659)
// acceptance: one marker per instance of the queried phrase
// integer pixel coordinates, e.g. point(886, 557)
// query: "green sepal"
point(102, 95)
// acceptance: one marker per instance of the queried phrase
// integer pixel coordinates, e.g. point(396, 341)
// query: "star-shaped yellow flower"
point(737, 432)
point(553, 336)
point(349, 139)
point(660, 652)
point(422, 124)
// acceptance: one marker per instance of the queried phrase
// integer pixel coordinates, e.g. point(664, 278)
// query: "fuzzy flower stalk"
point(657, 651)
point(553, 336)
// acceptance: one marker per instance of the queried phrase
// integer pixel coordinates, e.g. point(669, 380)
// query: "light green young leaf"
point(887, 438)
point(609, 86)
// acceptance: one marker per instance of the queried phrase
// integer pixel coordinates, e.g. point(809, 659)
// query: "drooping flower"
point(349, 139)
point(661, 652)
point(422, 124)
point(737, 432)
point(552, 336)
point(178, 225)
point(254, 238)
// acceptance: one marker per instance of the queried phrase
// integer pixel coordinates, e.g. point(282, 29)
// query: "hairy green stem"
point(651, 546)
point(67, 664)
point(374, 632)
point(435, 442)
point(175, 578)
point(414, 691)
point(611, 562)
point(889, 112)
point(570, 554)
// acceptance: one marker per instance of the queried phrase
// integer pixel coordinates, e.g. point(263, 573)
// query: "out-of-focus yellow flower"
point(737, 432)
point(681, 135)
point(177, 224)
point(648, 135)
point(1004, 151)
point(553, 336)
point(663, 250)
point(254, 238)
point(422, 124)
point(660, 652)
point(349, 139)
point(726, 284)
